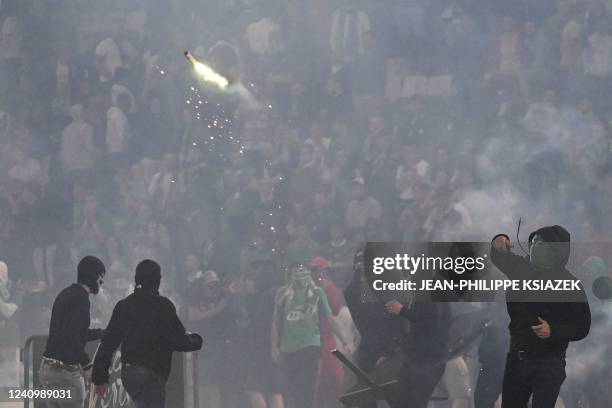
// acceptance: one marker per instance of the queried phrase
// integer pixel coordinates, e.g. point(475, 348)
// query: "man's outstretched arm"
point(110, 342)
point(174, 334)
point(511, 265)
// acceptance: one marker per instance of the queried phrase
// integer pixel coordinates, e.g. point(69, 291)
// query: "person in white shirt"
point(543, 118)
point(362, 207)
point(117, 126)
point(598, 54)
point(10, 39)
point(77, 150)
point(164, 182)
point(108, 55)
point(27, 169)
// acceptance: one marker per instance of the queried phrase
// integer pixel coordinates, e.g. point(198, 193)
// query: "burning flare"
point(207, 73)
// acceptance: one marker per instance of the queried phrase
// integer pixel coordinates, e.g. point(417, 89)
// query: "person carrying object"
point(147, 328)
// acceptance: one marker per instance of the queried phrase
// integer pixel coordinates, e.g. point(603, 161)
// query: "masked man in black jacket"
point(382, 326)
point(65, 361)
point(381, 333)
point(146, 326)
point(540, 329)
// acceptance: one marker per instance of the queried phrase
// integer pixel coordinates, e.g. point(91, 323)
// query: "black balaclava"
point(148, 275)
point(90, 271)
point(549, 247)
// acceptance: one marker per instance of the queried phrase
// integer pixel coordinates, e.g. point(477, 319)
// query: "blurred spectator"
point(338, 250)
point(27, 169)
point(507, 53)
point(368, 76)
point(91, 227)
point(118, 130)
point(77, 151)
point(107, 54)
point(542, 117)
point(9, 341)
point(208, 310)
point(303, 247)
point(263, 383)
point(362, 207)
point(347, 32)
point(330, 376)
point(598, 62)
point(164, 183)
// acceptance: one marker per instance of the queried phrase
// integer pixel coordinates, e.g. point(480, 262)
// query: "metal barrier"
point(31, 355)
point(181, 387)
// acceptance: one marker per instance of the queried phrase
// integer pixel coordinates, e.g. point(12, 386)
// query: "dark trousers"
point(146, 388)
point(300, 374)
point(489, 385)
point(540, 378)
point(417, 383)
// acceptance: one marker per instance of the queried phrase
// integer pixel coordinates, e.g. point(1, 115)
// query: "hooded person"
point(209, 311)
point(65, 361)
point(542, 322)
point(90, 272)
point(296, 338)
point(380, 333)
point(146, 327)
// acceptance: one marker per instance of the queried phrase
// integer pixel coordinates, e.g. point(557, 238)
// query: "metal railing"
point(182, 386)
point(31, 355)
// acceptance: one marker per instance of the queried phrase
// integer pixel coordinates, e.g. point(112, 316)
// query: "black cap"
point(148, 275)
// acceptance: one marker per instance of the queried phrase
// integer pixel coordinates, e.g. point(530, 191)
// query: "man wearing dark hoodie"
point(540, 329)
point(146, 326)
point(65, 362)
point(381, 333)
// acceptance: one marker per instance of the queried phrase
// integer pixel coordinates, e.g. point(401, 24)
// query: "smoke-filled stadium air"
point(295, 133)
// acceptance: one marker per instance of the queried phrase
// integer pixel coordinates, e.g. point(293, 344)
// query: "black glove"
point(196, 339)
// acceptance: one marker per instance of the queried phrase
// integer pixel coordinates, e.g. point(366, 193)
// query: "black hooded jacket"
point(146, 326)
point(381, 333)
point(69, 329)
point(569, 320)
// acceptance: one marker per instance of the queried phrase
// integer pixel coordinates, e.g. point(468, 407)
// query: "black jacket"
point(381, 333)
point(569, 320)
point(69, 329)
point(426, 341)
point(146, 326)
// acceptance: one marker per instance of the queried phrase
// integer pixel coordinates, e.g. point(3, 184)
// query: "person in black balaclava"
point(147, 328)
point(65, 361)
point(540, 330)
point(381, 333)
point(425, 350)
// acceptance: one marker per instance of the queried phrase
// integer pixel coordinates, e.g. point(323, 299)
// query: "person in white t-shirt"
point(77, 150)
point(362, 207)
point(108, 55)
point(117, 130)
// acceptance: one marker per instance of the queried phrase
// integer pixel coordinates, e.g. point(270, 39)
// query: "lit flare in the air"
point(206, 72)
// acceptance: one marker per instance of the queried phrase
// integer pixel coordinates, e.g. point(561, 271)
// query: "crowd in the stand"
point(353, 121)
